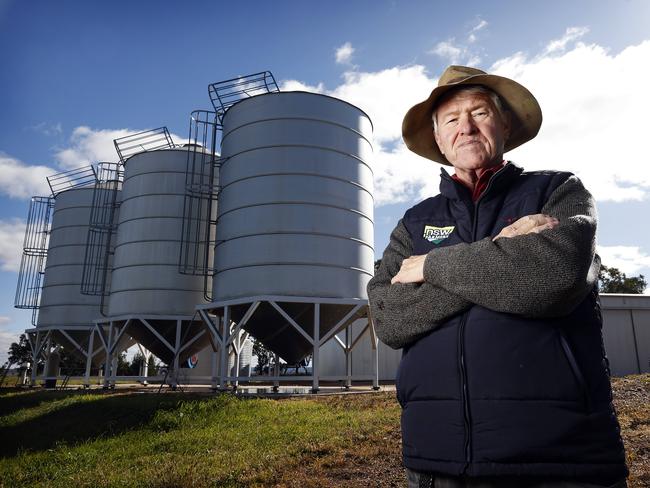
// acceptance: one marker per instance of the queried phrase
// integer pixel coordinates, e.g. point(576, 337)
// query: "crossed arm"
point(537, 268)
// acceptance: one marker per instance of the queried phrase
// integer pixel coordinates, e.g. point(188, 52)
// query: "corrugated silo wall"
point(146, 277)
point(296, 208)
point(62, 303)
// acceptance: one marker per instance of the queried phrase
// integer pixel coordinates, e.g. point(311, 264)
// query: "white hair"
point(470, 89)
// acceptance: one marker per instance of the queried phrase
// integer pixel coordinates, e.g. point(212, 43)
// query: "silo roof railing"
point(225, 94)
point(148, 140)
point(74, 178)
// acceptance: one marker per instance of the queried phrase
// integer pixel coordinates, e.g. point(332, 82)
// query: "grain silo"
point(149, 298)
point(52, 268)
point(294, 233)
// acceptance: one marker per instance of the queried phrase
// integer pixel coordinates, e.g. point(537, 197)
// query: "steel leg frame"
point(36, 349)
point(223, 334)
point(115, 333)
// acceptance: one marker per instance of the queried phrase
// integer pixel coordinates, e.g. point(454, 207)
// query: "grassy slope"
point(80, 439)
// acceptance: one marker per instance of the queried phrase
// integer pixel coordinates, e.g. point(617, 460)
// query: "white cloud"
point(629, 259)
point(48, 129)
point(344, 53)
point(570, 35)
point(472, 37)
point(90, 146)
point(12, 233)
point(594, 116)
point(456, 53)
point(385, 95)
point(447, 49)
point(480, 25)
point(18, 180)
point(295, 85)
point(461, 52)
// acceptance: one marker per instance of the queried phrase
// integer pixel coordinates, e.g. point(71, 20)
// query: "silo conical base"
point(169, 338)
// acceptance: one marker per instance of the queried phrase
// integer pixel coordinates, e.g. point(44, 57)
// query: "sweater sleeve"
point(402, 313)
point(535, 275)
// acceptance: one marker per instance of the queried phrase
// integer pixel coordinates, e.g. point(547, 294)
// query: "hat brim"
point(526, 115)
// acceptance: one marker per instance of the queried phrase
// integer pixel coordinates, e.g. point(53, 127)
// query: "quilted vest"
point(488, 393)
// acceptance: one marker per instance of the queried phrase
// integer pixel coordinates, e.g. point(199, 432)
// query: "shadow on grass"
point(29, 399)
point(82, 421)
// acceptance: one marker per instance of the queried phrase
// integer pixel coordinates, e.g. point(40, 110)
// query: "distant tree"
point(123, 366)
point(612, 280)
point(263, 355)
point(152, 367)
point(136, 364)
point(19, 352)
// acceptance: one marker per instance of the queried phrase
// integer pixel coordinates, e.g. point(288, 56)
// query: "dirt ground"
point(376, 459)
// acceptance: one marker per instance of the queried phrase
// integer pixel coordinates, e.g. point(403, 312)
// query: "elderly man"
point(490, 289)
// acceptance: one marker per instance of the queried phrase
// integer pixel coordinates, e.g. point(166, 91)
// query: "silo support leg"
point(348, 357)
point(276, 372)
point(316, 357)
point(237, 347)
point(109, 357)
point(89, 357)
point(225, 332)
point(214, 383)
point(374, 343)
point(177, 351)
point(35, 354)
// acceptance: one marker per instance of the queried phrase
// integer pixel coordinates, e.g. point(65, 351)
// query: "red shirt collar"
point(483, 180)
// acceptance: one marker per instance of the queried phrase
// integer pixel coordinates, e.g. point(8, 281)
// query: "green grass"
point(77, 438)
point(89, 439)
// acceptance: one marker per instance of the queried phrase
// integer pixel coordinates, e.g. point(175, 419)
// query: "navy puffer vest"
point(489, 393)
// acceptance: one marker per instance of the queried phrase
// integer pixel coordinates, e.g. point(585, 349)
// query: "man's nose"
point(466, 125)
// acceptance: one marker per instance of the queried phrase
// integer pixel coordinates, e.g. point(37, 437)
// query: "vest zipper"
point(465, 393)
point(461, 343)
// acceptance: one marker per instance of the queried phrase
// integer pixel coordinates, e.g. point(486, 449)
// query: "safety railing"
point(100, 242)
point(201, 198)
point(224, 94)
point(148, 140)
point(32, 264)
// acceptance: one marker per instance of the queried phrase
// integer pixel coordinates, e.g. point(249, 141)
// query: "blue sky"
point(76, 74)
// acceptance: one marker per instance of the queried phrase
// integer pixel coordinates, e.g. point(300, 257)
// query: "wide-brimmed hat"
point(526, 114)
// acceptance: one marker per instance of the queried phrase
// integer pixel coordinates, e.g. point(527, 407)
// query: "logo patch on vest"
point(437, 234)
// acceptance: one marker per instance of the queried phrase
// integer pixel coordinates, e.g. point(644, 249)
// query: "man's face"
point(471, 133)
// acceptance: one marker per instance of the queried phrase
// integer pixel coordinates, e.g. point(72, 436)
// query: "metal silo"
point(52, 267)
point(149, 297)
point(294, 233)
point(296, 199)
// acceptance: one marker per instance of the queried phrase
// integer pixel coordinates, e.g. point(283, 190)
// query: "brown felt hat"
point(526, 114)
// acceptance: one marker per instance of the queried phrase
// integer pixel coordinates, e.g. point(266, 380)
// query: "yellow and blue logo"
point(437, 234)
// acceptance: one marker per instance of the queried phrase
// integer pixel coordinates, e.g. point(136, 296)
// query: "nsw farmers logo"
point(437, 234)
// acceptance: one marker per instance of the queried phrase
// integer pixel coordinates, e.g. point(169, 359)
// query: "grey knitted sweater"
point(534, 275)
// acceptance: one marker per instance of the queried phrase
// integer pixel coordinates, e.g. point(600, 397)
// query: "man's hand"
point(530, 224)
point(412, 270)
